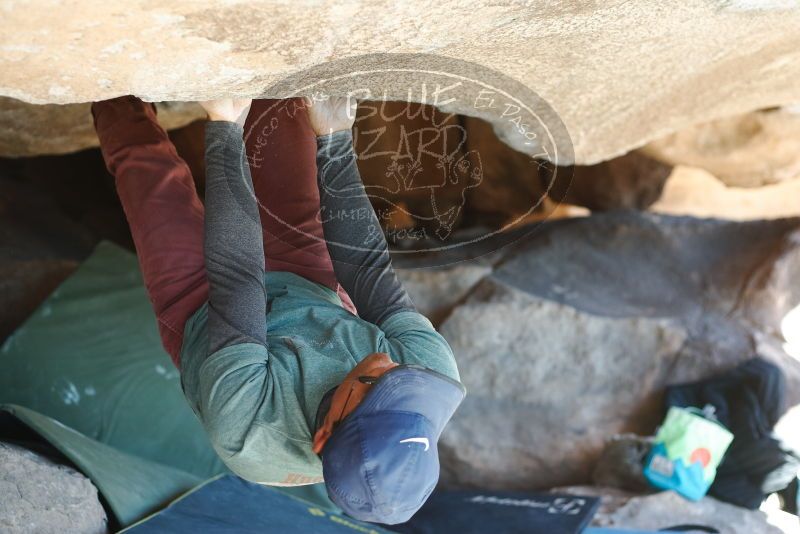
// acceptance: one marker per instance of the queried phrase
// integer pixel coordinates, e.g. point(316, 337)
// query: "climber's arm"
point(355, 240)
point(234, 250)
point(360, 253)
point(233, 377)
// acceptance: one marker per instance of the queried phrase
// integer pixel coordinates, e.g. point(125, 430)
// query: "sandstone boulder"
point(40, 495)
point(546, 385)
point(749, 150)
point(696, 192)
point(435, 291)
point(618, 73)
point(28, 130)
point(575, 333)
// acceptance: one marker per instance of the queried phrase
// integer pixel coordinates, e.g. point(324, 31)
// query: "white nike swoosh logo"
point(424, 441)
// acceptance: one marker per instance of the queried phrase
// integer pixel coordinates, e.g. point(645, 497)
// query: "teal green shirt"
point(259, 404)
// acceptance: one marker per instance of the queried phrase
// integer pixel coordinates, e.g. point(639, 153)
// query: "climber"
point(255, 296)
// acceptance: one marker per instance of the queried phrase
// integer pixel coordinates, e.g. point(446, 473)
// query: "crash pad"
point(686, 528)
point(478, 512)
point(87, 372)
point(90, 357)
point(228, 504)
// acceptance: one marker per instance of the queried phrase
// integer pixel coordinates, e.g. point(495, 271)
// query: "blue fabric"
point(463, 512)
point(381, 463)
point(231, 505)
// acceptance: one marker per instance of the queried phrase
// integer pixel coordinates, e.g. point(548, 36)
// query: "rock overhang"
point(618, 74)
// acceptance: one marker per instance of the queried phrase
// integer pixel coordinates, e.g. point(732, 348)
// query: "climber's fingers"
point(227, 109)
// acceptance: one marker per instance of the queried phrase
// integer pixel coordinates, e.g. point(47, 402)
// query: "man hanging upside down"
point(256, 296)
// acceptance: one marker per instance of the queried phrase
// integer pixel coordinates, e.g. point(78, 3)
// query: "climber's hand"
point(331, 114)
point(227, 109)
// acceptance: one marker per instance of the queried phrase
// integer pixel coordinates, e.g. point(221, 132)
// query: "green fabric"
point(259, 406)
point(89, 369)
point(90, 357)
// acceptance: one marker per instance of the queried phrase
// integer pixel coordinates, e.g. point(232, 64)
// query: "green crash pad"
point(87, 372)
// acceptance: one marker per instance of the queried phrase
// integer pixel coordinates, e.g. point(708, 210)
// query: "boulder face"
point(696, 192)
point(546, 384)
point(756, 149)
point(616, 72)
point(28, 130)
point(43, 496)
point(580, 326)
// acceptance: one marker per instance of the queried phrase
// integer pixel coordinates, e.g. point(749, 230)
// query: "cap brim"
point(414, 389)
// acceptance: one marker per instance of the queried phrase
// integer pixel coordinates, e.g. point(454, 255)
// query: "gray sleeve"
point(234, 249)
point(355, 240)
